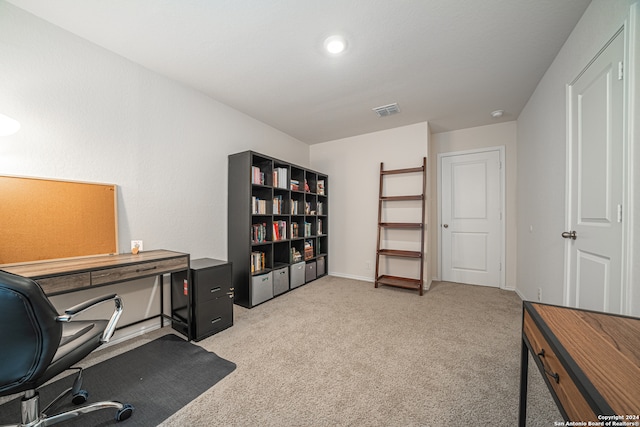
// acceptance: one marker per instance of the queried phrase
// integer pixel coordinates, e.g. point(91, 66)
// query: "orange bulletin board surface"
point(43, 219)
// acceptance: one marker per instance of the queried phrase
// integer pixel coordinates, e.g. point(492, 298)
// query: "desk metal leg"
point(161, 301)
point(524, 373)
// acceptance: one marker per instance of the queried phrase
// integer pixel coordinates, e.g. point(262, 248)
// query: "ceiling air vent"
point(387, 110)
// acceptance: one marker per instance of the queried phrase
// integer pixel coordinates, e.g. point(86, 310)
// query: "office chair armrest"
point(79, 308)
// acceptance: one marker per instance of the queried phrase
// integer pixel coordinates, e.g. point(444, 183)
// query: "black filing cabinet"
point(210, 298)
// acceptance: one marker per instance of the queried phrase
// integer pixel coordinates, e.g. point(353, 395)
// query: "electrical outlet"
point(539, 294)
point(136, 244)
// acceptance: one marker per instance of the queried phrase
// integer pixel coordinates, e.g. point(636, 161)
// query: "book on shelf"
point(294, 230)
point(258, 206)
point(307, 229)
point(257, 261)
point(320, 208)
point(257, 176)
point(277, 205)
point(320, 187)
point(259, 233)
point(280, 177)
point(319, 226)
point(295, 207)
point(294, 184)
point(279, 230)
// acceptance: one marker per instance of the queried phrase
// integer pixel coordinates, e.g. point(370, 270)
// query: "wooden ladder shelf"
point(398, 281)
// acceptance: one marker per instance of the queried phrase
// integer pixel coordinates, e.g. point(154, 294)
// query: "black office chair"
point(36, 344)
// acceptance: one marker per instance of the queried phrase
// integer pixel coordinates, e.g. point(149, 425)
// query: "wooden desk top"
point(75, 265)
point(601, 352)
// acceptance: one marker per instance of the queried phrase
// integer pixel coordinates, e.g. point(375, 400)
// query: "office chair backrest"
point(29, 332)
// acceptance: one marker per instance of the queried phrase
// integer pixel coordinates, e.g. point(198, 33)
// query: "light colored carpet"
point(338, 352)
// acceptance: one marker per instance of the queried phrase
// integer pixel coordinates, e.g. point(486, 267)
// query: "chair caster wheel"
point(125, 412)
point(80, 397)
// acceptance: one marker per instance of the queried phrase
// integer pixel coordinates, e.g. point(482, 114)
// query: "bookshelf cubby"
point(277, 221)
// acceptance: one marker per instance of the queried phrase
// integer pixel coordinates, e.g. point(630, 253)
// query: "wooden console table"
point(74, 274)
point(590, 362)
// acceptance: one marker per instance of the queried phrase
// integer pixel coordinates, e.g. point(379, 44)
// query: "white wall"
point(90, 115)
point(353, 166)
point(542, 159)
point(502, 134)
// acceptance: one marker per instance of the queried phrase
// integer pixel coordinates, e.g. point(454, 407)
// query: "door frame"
point(627, 173)
point(501, 151)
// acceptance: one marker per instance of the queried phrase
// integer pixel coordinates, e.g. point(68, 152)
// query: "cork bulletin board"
point(43, 219)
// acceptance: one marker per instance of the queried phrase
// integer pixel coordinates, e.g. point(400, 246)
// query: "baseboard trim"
point(351, 276)
point(134, 331)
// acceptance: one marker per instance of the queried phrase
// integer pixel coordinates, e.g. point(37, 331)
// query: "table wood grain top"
point(604, 347)
point(74, 265)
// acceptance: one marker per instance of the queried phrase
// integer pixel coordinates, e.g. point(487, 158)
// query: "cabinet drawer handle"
point(212, 290)
point(547, 371)
point(146, 269)
point(216, 320)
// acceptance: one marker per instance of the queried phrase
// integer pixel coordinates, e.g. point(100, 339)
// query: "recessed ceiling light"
point(335, 44)
point(497, 114)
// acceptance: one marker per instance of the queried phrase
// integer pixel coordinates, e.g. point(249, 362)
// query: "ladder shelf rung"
point(401, 224)
point(401, 198)
point(399, 282)
point(397, 171)
point(400, 253)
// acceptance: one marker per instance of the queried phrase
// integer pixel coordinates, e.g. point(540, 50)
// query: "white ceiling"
point(448, 62)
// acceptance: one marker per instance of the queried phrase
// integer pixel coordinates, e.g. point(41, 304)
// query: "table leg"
point(524, 372)
point(161, 301)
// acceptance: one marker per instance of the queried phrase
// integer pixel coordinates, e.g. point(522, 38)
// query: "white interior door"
point(595, 184)
point(471, 218)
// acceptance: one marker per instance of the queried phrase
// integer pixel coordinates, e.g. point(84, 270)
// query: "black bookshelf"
point(277, 224)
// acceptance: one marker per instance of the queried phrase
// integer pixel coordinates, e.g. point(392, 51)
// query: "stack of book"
point(294, 185)
point(308, 249)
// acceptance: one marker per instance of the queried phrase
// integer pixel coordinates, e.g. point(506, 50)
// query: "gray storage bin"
point(280, 281)
point(297, 274)
point(261, 288)
point(310, 271)
point(320, 267)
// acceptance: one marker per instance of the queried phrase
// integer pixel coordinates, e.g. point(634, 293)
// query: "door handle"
point(569, 235)
point(445, 225)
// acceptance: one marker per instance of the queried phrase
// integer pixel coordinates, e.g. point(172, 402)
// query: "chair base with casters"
point(38, 344)
point(32, 416)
